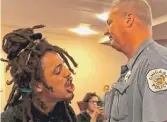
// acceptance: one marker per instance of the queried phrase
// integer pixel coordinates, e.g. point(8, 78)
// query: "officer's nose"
point(106, 32)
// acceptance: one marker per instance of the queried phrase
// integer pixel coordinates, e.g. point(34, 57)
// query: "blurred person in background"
point(94, 111)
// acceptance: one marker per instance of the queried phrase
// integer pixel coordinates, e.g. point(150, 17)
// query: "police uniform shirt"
point(140, 94)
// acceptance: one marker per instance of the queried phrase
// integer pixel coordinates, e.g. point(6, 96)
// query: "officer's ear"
point(129, 20)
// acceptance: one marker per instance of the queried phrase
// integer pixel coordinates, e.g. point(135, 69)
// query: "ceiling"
point(59, 15)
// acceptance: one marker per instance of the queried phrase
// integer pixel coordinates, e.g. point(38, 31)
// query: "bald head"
point(129, 24)
point(140, 8)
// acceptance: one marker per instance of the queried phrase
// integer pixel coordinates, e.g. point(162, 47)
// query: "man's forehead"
point(51, 58)
point(61, 58)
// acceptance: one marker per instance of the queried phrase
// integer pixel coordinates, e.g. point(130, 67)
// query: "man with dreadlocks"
point(42, 85)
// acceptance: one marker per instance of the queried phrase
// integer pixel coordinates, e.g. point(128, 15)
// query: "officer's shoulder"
point(156, 55)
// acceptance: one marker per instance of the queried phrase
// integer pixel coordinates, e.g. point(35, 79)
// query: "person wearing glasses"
point(93, 110)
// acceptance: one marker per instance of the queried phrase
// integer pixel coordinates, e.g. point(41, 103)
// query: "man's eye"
point(58, 69)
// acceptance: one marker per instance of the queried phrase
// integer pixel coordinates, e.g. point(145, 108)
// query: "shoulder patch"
point(157, 79)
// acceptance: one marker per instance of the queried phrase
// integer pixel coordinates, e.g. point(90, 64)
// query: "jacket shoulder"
point(12, 114)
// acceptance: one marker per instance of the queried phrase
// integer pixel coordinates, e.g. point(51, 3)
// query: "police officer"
point(140, 94)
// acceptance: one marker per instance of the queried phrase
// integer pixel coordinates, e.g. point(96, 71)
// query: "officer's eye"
point(109, 22)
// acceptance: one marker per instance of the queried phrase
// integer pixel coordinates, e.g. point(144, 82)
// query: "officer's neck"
point(135, 40)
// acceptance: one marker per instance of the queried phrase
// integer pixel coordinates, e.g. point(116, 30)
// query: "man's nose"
point(67, 72)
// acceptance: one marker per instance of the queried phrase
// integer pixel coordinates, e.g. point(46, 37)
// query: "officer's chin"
point(118, 49)
point(116, 46)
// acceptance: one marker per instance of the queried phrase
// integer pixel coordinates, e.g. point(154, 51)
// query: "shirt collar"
point(143, 46)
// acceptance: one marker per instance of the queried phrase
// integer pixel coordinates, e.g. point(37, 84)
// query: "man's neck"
point(50, 106)
point(43, 105)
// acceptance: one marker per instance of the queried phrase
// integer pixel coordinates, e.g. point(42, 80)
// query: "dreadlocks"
point(24, 49)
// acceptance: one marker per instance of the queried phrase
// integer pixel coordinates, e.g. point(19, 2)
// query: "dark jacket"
point(59, 114)
point(85, 117)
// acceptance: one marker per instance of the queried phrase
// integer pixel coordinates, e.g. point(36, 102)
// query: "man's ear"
point(129, 21)
point(39, 87)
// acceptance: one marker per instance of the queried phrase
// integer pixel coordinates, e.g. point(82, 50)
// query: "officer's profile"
point(140, 93)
